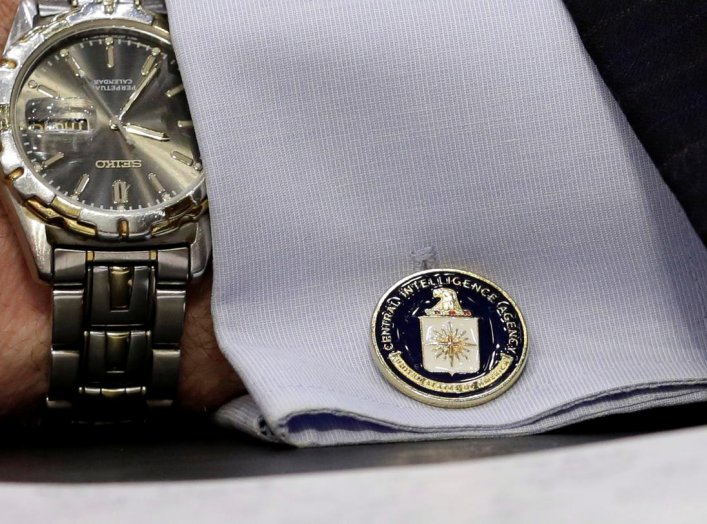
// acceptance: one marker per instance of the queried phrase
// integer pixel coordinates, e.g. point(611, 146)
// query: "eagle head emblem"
point(448, 304)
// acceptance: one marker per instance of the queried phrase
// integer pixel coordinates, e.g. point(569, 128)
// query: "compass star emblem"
point(451, 344)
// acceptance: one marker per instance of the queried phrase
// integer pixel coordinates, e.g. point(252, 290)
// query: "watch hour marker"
point(184, 159)
point(52, 160)
point(110, 50)
point(46, 91)
point(137, 93)
point(72, 63)
point(150, 62)
point(185, 124)
point(175, 91)
point(156, 184)
point(120, 192)
point(81, 186)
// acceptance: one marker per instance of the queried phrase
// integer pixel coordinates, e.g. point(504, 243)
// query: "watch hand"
point(114, 122)
point(138, 91)
point(147, 133)
point(117, 124)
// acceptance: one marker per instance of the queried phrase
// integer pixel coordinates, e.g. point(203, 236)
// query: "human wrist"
point(25, 331)
point(207, 380)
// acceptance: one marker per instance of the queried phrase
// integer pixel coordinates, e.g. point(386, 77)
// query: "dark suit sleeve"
point(653, 57)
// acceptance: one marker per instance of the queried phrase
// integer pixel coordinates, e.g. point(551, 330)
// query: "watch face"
point(103, 119)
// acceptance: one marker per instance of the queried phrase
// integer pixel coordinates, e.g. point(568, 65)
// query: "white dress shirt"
point(348, 143)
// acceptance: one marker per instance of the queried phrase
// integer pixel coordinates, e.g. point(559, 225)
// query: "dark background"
point(195, 449)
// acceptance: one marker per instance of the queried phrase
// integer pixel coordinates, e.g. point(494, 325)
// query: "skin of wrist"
point(207, 380)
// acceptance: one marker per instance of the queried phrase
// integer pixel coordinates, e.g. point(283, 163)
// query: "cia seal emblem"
point(449, 338)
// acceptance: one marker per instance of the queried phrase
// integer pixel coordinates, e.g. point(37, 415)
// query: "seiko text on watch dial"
point(103, 119)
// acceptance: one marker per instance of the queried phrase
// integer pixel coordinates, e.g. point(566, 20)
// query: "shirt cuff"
point(341, 138)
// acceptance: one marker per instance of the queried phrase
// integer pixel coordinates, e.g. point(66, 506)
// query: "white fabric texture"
point(346, 142)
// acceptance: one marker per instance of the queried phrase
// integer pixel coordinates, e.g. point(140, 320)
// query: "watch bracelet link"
point(55, 7)
point(118, 323)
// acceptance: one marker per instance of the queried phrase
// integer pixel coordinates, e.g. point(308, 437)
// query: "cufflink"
point(449, 338)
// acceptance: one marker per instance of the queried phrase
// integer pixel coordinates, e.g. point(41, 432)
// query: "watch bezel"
point(37, 195)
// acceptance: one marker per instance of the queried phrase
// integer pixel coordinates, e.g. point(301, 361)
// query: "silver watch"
point(104, 180)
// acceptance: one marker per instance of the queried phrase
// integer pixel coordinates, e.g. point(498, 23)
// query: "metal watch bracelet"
point(118, 321)
point(118, 317)
point(55, 7)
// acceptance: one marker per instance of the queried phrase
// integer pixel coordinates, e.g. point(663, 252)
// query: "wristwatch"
point(104, 183)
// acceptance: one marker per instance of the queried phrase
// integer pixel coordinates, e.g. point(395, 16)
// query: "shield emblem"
point(450, 336)
point(450, 344)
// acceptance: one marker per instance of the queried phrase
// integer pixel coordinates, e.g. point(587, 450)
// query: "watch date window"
point(58, 125)
point(64, 124)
